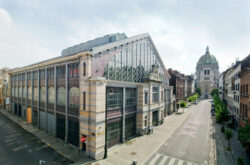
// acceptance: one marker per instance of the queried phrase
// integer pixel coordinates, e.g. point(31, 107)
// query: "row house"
point(183, 86)
point(245, 92)
point(233, 88)
point(107, 90)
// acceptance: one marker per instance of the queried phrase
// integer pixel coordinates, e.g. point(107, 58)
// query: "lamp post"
point(110, 92)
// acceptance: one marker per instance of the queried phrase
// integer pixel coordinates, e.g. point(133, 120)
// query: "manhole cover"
point(133, 153)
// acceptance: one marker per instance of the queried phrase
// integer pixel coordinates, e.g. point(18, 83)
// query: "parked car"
point(196, 102)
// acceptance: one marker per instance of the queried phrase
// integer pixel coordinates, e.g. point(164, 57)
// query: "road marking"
point(17, 148)
point(153, 161)
point(157, 162)
point(172, 161)
point(40, 148)
point(149, 160)
point(9, 140)
point(163, 160)
point(29, 150)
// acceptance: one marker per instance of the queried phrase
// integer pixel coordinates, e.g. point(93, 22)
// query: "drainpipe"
point(149, 91)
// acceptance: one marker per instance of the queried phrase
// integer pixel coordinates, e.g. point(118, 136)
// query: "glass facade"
point(51, 95)
point(61, 96)
point(74, 97)
point(133, 62)
point(114, 98)
point(130, 96)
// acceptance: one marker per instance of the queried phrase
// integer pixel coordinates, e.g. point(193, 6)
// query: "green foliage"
point(198, 90)
point(228, 135)
point(193, 98)
point(240, 161)
point(214, 92)
point(183, 103)
point(244, 135)
point(221, 112)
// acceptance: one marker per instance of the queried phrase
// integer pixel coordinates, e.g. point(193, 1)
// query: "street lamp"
point(110, 92)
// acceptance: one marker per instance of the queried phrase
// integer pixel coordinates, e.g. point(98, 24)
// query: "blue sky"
point(31, 31)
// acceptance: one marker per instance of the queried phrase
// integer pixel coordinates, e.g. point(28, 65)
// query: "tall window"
point(114, 98)
point(51, 95)
point(30, 93)
point(161, 95)
point(146, 98)
point(36, 94)
point(61, 96)
point(130, 96)
point(155, 94)
point(84, 100)
point(42, 94)
point(74, 97)
point(84, 69)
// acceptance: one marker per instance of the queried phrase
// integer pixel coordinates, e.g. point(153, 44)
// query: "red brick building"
point(245, 92)
point(177, 80)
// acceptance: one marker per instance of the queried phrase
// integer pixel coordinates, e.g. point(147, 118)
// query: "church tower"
point(207, 73)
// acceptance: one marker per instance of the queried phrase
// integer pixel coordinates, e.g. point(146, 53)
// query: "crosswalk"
point(160, 159)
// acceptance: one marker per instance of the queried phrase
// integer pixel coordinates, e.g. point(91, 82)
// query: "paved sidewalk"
point(225, 157)
point(60, 146)
point(141, 148)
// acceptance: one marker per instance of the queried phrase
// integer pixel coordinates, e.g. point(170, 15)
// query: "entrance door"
point(114, 131)
point(130, 126)
point(155, 118)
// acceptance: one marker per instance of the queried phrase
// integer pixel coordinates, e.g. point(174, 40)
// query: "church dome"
point(207, 59)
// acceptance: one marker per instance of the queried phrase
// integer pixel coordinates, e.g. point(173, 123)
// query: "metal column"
point(66, 109)
point(46, 98)
point(38, 102)
point(55, 99)
point(123, 114)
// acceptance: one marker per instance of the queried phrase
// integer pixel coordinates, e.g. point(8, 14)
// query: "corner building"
point(108, 90)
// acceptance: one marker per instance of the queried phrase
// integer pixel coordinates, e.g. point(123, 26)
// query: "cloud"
point(16, 48)
point(181, 30)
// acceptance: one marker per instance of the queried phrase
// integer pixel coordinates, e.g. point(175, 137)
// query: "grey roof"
point(93, 43)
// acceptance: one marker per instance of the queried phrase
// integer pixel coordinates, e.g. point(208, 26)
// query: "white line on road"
point(17, 148)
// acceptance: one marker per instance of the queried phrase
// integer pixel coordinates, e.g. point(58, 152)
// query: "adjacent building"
point(4, 95)
point(245, 92)
point(183, 86)
point(207, 73)
point(108, 90)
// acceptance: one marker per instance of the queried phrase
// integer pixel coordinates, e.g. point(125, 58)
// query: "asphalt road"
point(191, 142)
point(18, 147)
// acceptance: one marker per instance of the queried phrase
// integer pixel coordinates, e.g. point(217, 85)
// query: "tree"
point(228, 136)
point(198, 90)
point(214, 92)
point(240, 161)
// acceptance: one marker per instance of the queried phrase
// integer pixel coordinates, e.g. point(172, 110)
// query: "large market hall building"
point(108, 90)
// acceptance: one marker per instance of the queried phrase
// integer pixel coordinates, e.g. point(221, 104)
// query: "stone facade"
point(107, 93)
point(207, 73)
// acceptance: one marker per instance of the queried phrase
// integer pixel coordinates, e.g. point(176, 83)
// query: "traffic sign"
point(83, 139)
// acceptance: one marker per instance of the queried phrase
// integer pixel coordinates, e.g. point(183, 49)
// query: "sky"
point(31, 31)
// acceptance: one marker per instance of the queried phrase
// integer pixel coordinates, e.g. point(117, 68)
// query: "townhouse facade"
point(107, 90)
point(245, 92)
